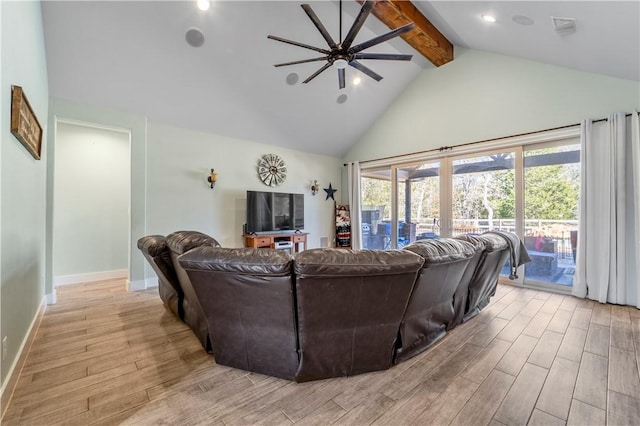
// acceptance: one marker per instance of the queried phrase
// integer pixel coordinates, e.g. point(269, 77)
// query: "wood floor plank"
point(622, 409)
point(517, 406)
point(569, 303)
point(515, 327)
point(620, 313)
point(545, 351)
point(598, 338)
point(485, 362)
point(540, 418)
point(581, 318)
point(532, 307)
point(582, 414)
point(591, 385)
point(623, 372)
point(572, 344)
point(517, 355)
point(485, 401)
point(538, 325)
point(512, 310)
point(560, 321)
point(557, 391)
point(447, 406)
point(601, 314)
point(487, 334)
point(622, 335)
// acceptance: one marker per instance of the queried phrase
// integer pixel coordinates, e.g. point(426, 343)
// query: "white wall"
point(22, 190)
point(91, 200)
point(179, 197)
point(483, 95)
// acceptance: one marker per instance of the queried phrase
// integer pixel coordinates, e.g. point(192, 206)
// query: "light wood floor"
point(106, 356)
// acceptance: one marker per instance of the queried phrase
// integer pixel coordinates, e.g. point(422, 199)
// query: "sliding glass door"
point(551, 208)
point(530, 190)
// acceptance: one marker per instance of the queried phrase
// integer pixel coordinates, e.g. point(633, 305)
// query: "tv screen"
point(274, 212)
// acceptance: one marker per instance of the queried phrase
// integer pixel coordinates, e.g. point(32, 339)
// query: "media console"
point(281, 241)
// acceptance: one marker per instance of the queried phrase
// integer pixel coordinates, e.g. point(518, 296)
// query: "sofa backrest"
point(154, 248)
point(431, 307)
point(247, 298)
point(180, 242)
point(349, 305)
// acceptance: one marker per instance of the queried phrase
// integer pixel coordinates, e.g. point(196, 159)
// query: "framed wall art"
point(24, 124)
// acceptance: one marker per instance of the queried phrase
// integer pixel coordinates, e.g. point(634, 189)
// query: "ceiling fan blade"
point(303, 61)
point(315, 74)
point(295, 43)
point(341, 78)
point(357, 65)
point(316, 21)
point(358, 23)
point(382, 38)
point(384, 56)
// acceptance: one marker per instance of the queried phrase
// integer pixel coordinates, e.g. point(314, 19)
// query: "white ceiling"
point(133, 56)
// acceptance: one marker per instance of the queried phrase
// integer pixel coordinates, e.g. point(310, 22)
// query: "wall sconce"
point(315, 187)
point(212, 178)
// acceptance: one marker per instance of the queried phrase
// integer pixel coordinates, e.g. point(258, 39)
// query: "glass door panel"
point(418, 202)
point(551, 208)
point(484, 193)
point(376, 209)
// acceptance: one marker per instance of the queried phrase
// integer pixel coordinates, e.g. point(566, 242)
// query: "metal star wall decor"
point(330, 191)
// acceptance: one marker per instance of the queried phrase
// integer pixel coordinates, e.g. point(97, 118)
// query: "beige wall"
point(483, 95)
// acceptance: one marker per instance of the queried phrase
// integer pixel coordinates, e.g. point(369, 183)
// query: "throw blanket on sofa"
point(517, 251)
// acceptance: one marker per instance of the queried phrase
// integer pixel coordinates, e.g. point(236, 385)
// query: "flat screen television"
point(274, 212)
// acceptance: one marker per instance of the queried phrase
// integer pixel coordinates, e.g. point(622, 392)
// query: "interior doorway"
point(91, 203)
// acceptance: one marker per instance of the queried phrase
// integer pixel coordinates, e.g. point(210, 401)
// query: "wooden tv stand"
point(270, 240)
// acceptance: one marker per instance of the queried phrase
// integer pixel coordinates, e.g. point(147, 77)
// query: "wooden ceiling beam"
point(425, 38)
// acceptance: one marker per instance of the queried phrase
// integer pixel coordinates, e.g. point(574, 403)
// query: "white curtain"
point(608, 252)
point(353, 186)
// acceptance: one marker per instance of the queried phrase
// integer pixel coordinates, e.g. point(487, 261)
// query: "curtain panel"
point(353, 187)
point(608, 252)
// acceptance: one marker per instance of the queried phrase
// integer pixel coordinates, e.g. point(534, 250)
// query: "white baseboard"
point(16, 367)
point(139, 285)
point(91, 276)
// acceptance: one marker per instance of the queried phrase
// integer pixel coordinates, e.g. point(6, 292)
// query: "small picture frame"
point(24, 124)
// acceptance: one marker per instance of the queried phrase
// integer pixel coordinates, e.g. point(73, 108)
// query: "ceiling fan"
point(343, 53)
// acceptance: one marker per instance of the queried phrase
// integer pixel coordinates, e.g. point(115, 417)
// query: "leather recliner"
point(249, 305)
point(155, 250)
point(350, 304)
point(179, 243)
point(485, 277)
point(430, 310)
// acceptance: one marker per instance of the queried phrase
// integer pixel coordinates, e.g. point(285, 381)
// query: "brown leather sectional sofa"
point(323, 312)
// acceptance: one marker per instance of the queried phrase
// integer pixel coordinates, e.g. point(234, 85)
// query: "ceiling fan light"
point(357, 81)
point(488, 18)
point(203, 4)
point(340, 63)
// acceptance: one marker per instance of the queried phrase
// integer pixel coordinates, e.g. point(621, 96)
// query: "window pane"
point(418, 202)
point(551, 195)
point(484, 194)
point(376, 209)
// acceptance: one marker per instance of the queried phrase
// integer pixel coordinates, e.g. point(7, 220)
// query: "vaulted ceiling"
point(133, 56)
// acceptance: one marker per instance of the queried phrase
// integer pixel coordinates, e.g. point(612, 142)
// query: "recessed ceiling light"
point(356, 81)
point(488, 18)
point(203, 4)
